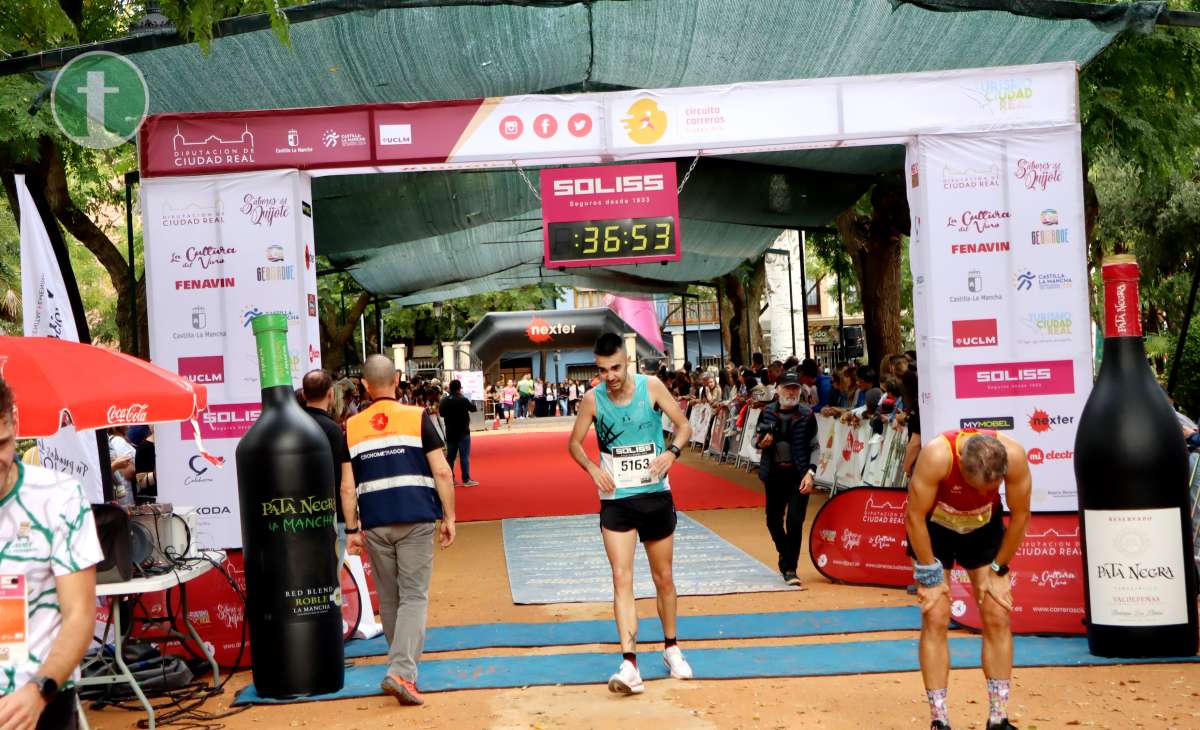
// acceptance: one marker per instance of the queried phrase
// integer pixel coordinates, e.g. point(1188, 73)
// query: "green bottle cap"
point(274, 364)
point(274, 322)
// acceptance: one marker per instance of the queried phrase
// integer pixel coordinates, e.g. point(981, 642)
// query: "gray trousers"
point(402, 563)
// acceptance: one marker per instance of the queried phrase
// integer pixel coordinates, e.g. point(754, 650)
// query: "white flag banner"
point(47, 313)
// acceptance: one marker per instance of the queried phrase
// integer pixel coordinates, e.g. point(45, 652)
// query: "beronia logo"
point(975, 333)
point(539, 330)
point(989, 423)
point(597, 186)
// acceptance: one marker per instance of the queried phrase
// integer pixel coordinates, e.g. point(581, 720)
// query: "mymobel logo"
point(597, 186)
point(988, 423)
point(99, 100)
point(975, 333)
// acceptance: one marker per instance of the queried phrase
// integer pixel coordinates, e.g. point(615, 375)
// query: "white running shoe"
point(627, 680)
point(674, 660)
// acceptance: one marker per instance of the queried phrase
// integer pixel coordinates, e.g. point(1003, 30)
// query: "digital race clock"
point(622, 238)
point(610, 215)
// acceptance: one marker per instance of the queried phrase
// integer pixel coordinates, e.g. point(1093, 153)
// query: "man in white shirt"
point(48, 553)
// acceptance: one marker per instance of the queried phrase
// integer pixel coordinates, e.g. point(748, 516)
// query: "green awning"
point(427, 236)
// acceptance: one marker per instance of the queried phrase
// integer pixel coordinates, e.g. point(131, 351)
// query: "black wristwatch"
point(998, 569)
point(351, 530)
point(47, 687)
point(674, 450)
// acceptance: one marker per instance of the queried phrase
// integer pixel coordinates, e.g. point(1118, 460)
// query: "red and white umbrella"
point(56, 381)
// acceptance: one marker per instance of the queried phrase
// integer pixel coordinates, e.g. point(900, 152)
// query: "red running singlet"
point(959, 506)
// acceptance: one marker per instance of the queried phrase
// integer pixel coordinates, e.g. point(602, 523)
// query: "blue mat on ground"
point(806, 660)
point(562, 560)
point(692, 628)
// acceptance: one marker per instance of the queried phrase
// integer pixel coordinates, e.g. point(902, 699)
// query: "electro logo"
point(1036, 456)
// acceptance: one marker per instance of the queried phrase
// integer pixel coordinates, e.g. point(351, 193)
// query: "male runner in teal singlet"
point(634, 495)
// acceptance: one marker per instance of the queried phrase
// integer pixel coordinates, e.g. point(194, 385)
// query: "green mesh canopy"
point(430, 236)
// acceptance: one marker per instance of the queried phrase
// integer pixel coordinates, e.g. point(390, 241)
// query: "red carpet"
point(532, 475)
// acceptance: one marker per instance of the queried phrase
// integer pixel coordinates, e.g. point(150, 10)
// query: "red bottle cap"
point(1122, 306)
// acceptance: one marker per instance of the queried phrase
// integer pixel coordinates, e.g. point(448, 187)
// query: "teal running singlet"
point(630, 437)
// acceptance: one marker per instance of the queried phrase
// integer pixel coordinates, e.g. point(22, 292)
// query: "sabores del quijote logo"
point(1038, 175)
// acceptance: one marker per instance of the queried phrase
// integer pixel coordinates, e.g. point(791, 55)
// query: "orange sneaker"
point(403, 690)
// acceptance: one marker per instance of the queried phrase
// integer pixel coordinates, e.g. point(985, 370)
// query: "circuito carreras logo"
point(646, 123)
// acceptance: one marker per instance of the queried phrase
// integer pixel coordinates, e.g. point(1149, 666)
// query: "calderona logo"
point(539, 330)
point(199, 468)
point(646, 123)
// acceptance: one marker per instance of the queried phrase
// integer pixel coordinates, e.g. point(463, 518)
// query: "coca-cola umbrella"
point(55, 382)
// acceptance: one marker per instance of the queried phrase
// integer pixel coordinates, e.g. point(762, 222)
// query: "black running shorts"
point(973, 550)
point(652, 515)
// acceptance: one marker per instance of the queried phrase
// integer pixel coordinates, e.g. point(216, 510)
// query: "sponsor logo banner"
point(988, 423)
point(206, 369)
point(223, 421)
point(1039, 174)
point(1047, 326)
point(977, 221)
point(858, 537)
point(202, 257)
point(1028, 280)
point(975, 333)
point(1000, 380)
point(1047, 581)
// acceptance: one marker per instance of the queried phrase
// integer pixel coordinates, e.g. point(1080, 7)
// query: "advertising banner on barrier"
point(219, 251)
point(1000, 259)
point(1047, 581)
point(858, 537)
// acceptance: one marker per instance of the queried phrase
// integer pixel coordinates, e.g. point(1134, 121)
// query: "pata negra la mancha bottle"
point(285, 488)
point(1131, 467)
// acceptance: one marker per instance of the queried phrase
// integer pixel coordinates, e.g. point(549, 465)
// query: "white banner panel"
point(47, 313)
point(1004, 273)
point(219, 251)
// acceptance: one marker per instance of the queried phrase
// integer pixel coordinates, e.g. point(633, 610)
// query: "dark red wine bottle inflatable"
point(1131, 467)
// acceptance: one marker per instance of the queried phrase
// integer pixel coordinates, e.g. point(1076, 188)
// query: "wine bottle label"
point(1135, 567)
point(274, 365)
point(1122, 308)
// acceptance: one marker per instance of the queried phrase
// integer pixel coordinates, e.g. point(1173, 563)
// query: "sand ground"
point(470, 575)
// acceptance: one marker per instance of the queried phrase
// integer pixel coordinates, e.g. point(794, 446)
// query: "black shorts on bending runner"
point(652, 515)
point(973, 550)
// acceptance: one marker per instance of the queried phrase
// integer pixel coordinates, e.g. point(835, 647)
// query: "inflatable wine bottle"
point(1131, 467)
point(285, 488)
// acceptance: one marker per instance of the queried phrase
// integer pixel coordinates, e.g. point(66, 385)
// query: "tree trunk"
point(756, 287)
point(734, 315)
point(874, 246)
point(335, 336)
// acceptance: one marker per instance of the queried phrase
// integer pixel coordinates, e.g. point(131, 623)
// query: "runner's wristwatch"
point(46, 686)
point(352, 530)
point(998, 569)
point(674, 450)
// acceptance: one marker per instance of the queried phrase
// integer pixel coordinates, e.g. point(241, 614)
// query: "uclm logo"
point(598, 186)
point(975, 333)
point(1002, 380)
point(206, 369)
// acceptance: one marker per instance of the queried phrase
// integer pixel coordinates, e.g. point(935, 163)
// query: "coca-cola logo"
point(1037, 175)
point(262, 209)
point(202, 256)
point(132, 413)
point(977, 220)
